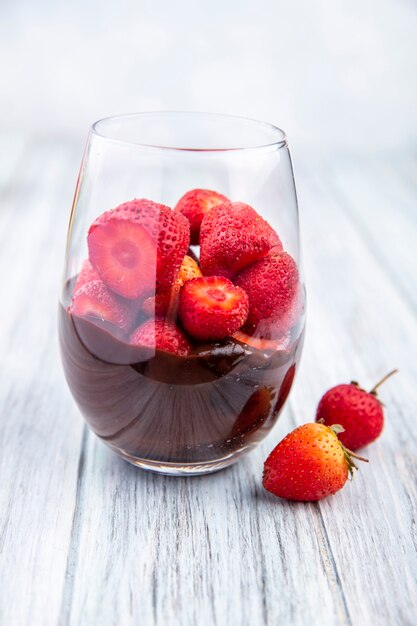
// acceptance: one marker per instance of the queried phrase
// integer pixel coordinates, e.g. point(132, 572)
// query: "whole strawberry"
point(194, 205)
point(358, 411)
point(309, 464)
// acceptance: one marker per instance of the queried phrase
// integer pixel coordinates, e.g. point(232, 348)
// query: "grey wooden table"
point(86, 539)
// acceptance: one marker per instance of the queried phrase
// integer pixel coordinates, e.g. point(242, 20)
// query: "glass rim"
point(279, 142)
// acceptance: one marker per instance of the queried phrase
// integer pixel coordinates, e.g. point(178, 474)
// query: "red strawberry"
point(162, 335)
point(194, 205)
point(167, 301)
point(158, 305)
point(308, 464)
point(256, 410)
point(212, 307)
point(138, 245)
point(232, 237)
point(95, 300)
point(86, 275)
point(285, 388)
point(272, 285)
point(189, 269)
point(358, 411)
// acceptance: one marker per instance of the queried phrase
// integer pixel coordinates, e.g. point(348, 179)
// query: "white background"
point(336, 74)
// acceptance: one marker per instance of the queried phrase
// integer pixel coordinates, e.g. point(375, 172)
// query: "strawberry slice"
point(96, 301)
point(212, 307)
point(137, 246)
point(195, 204)
point(162, 335)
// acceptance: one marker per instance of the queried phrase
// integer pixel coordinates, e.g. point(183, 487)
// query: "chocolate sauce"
point(157, 406)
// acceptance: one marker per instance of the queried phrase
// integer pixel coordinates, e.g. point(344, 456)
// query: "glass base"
point(184, 469)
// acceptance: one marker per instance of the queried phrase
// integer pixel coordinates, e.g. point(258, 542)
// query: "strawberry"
point(194, 205)
point(138, 245)
point(158, 305)
point(161, 335)
point(165, 301)
point(189, 269)
point(95, 300)
point(358, 411)
point(86, 275)
point(309, 464)
point(285, 388)
point(256, 410)
point(272, 285)
point(212, 307)
point(232, 237)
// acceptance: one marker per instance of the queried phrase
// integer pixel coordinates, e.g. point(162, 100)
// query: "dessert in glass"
point(182, 309)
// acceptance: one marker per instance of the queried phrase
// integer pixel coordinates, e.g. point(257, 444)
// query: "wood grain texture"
point(39, 443)
point(86, 539)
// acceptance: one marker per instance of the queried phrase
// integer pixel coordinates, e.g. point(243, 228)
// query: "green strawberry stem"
point(349, 455)
point(381, 382)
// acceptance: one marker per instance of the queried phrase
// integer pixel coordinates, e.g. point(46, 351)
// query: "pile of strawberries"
point(315, 460)
point(142, 278)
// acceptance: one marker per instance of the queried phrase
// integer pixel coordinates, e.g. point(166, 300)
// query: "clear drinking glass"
point(180, 354)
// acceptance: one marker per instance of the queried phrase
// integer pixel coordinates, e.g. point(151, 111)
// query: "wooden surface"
point(86, 539)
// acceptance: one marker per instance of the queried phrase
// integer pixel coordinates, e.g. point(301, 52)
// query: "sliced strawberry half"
point(162, 335)
point(96, 301)
point(195, 204)
point(212, 307)
point(138, 246)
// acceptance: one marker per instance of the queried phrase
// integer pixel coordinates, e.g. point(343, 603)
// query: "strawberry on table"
point(358, 411)
point(95, 300)
point(195, 204)
point(212, 308)
point(86, 275)
point(137, 246)
point(272, 285)
point(232, 237)
point(309, 464)
point(162, 335)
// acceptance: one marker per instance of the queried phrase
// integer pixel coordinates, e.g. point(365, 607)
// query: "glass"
point(178, 372)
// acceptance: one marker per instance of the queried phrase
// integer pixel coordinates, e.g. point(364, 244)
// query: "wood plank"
point(41, 433)
point(381, 200)
point(208, 550)
point(360, 326)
